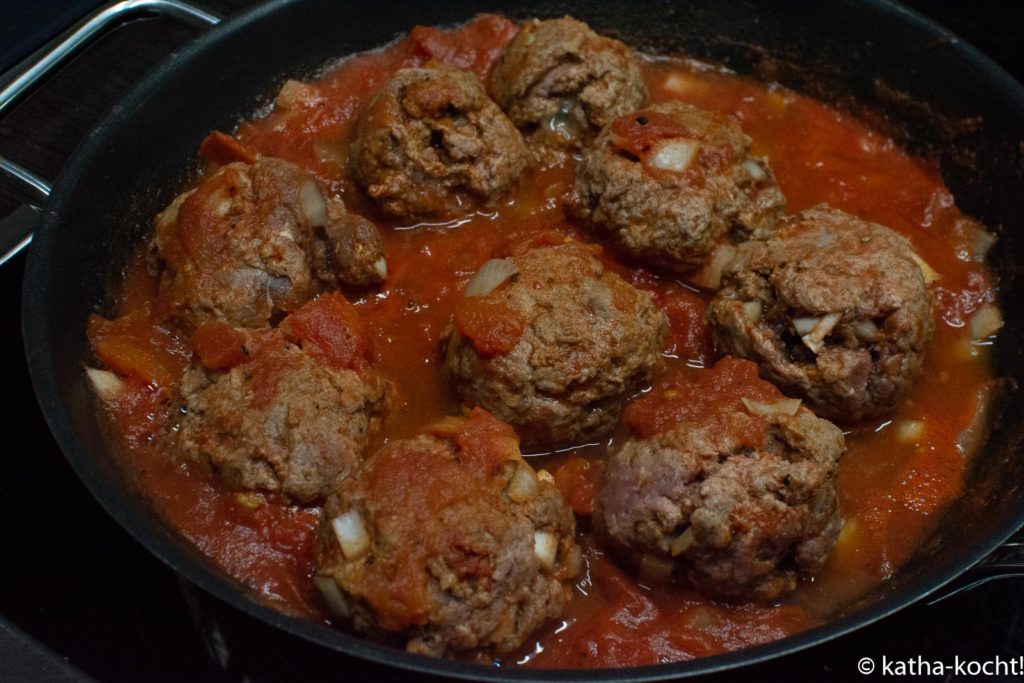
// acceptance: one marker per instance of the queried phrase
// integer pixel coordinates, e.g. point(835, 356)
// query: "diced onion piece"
point(351, 534)
point(380, 268)
point(107, 385)
point(786, 406)
point(777, 100)
point(710, 276)
point(821, 329)
point(929, 273)
point(849, 538)
point(967, 350)
point(574, 565)
point(678, 83)
point(754, 170)
point(523, 485)
point(170, 215)
point(546, 476)
point(827, 324)
point(312, 203)
point(909, 431)
point(752, 309)
point(328, 150)
point(681, 543)
point(295, 94)
point(805, 325)
point(865, 330)
point(448, 427)
point(701, 618)
point(333, 596)
point(491, 275)
point(986, 321)
point(850, 529)
point(561, 121)
point(673, 155)
point(545, 547)
point(655, 568)
point(219, 202)
point(250, 500)
point(982, 243)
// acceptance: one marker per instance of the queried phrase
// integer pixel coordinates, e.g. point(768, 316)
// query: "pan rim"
point(37, 341)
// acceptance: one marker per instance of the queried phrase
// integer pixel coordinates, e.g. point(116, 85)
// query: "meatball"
point(253, 241)
point(448, 541)
point(561, 83)
point(431, 141)
point(668, 184)
point(556, 346)
point(728, 481)
point(288, 410)
point(833, 309)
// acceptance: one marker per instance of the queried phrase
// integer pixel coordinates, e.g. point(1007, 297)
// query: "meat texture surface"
point(833, 309)
point(578, 339)
point(671, 183)
point(433, 144)
point(256, 240)
point(561, 83)
point(448, 542)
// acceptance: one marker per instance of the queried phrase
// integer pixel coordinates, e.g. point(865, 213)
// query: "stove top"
point(81, 600)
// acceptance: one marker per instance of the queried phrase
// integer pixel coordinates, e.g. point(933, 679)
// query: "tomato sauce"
point(894, 483)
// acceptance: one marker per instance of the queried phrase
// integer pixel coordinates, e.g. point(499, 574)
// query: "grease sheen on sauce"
point(891, 493)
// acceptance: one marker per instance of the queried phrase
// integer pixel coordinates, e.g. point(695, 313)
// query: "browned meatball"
point(432, 141)
point(554, 347)
point(737, 492)
point(833, 309)
point(449, 541)
point(252, 241)
point(671, 182)
point(561, 83)
point(289, 410)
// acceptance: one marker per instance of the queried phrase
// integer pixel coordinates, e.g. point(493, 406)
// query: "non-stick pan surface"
point(940, 96)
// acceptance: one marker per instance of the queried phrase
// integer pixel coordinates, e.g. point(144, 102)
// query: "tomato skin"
point(636, 133)
point(491, 325)
point(136, 345)
point(578, 480)
point(702, 396)
point(219, 345)
point(485, 443)
point(475, 47)
point(221, 149)
point(330, 329)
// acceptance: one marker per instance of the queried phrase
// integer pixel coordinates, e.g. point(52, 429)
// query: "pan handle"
point(1005, 562)
point(16, 230)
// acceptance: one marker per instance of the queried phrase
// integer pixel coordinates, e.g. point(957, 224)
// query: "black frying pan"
point(937, 95)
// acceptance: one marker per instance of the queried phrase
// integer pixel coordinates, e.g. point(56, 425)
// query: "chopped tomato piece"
point(219, 345)
point(485, 443)
point(635, 133)
point(221, 149)
point(701, 395)
point(491, 325)
point(135, 345)
point(519, 244)
point(329, 327)
point(578, 480)
point(474, 47)
point(689, 334)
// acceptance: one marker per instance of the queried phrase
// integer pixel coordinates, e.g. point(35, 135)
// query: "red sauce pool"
point(894, 483)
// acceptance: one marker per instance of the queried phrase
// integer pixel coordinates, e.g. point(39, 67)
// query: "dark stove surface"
point(80, 599)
